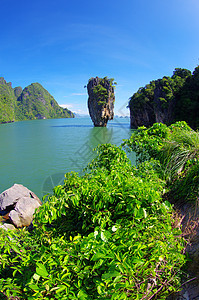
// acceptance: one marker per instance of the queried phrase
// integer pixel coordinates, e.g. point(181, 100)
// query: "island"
point(32, 102)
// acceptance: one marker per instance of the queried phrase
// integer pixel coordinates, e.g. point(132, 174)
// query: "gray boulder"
point(12, 195)
point(22, 215)
point(18, 204)
point(7, 226)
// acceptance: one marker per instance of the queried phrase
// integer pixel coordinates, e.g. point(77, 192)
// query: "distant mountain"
point(7, 102)
point(81, 115)
point(33, 102)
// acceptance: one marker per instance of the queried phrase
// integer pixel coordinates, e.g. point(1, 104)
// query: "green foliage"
point(177, 149)
point(102, 90)
point(167, 87)
point(104, 235)
point(181, 157)
point(7, 103)
point(100, 93)
point(33, 102)
point(147, 142)
point(178, 94)
point(182, 73)
point(187, 101)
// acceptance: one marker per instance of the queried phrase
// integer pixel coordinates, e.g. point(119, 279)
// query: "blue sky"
point(61, 44)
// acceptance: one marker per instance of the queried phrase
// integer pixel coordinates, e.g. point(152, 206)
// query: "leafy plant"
point(100, 93)
point(104, 235)
point(176, 147)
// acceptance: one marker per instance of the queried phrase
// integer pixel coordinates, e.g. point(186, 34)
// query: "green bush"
point(176, 147)
point(104, 235)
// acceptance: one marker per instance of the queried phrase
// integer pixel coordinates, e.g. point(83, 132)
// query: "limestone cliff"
point(33, 102)
point(7, 102)
point(160, 101)
point(101, 100)
point(159, 109)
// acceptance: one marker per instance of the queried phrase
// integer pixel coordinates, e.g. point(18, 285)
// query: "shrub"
point(104, 235)
point(176, 147)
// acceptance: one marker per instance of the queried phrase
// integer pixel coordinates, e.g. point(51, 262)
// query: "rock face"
point(17, 91)
point(189, 223)
point(33, 102)
point(166, 100)
point(152, 110)
point(101, 100)
point(7, 102)
point(18, 204)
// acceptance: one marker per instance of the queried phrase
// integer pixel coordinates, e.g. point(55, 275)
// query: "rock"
point(141, 116)
point(164, 113)
point(153, 109)
point(10, 196)
point(188, 214)
point(22, 215)
point(17, 91)
point(101, 100)
point(18, 204)
point(7, 226)
point(2, 81)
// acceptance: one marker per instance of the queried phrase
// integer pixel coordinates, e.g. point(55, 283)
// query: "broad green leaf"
point(34, 287)
point(41, 270)
point(61, 288)
point(110, 275)
point(15, 248)
point(97, 256)
point(82, 295)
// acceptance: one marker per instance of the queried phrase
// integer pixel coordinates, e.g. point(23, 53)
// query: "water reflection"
point(119, 124)
point(72, 126)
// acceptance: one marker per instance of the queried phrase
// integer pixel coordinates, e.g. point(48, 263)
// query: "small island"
point(101, 100)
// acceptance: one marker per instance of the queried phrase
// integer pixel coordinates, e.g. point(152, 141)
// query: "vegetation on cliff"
point(108, 234)
point(34, 102)
point(101, 92)
point(7, 102)
point(167, 100)
point(101, 100)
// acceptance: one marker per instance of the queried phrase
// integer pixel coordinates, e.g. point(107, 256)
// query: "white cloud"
point(81, 112)
point(78, 94)
point(74, 108)
point(66, 105)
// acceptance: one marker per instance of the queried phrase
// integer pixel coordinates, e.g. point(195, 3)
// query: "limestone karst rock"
point(167, 100)
point(151, 106)
point(33, 102)
point(101, 100)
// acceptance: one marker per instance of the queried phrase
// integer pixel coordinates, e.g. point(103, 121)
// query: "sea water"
point(38, 153)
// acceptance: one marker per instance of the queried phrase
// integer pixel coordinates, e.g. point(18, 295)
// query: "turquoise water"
point(38, 153)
